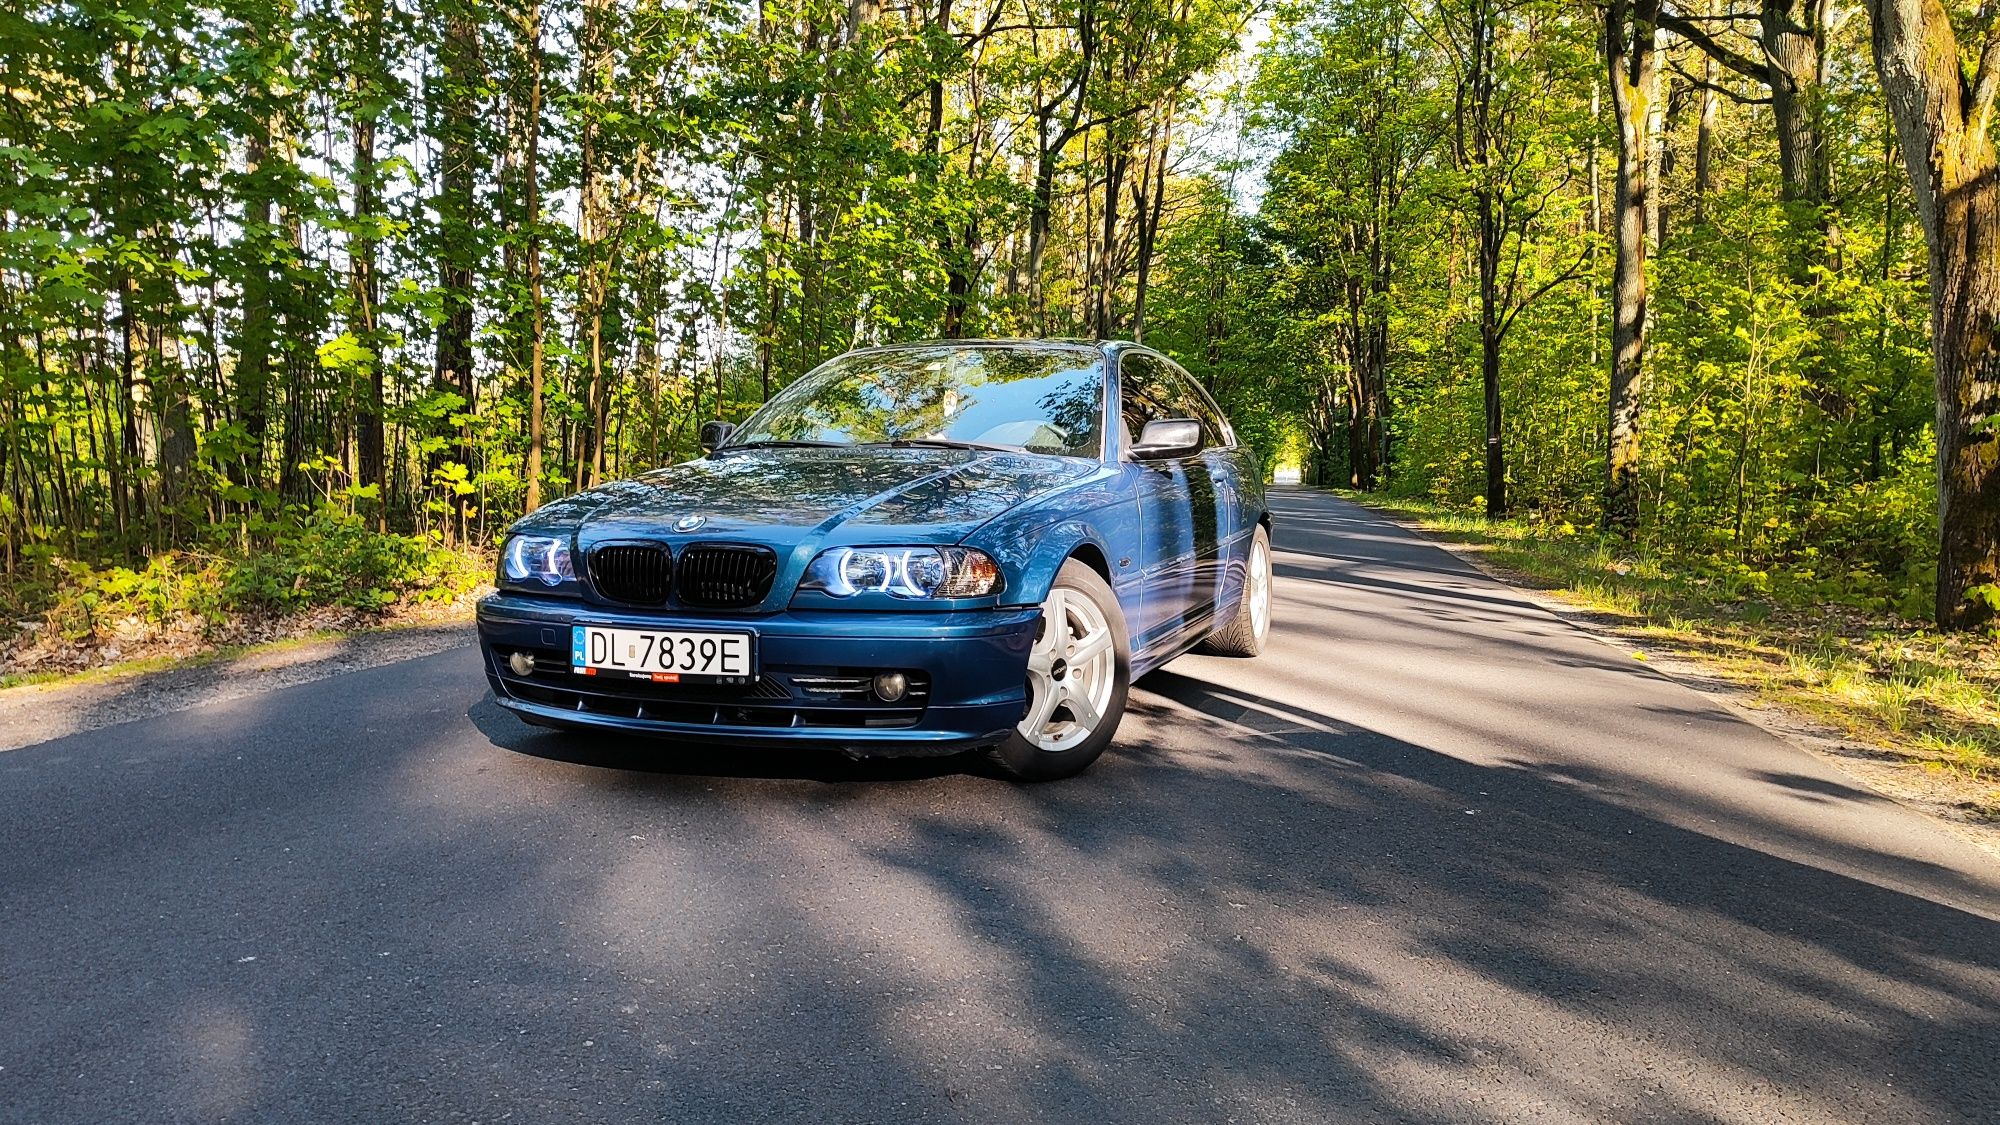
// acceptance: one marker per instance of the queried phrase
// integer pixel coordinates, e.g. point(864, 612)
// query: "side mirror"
point(714, 434)
point(1167, 438)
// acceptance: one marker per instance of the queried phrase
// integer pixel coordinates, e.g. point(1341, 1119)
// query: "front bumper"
point(968, 670)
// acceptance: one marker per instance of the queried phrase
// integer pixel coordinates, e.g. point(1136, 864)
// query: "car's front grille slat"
point(726, 575)
point(634, 573)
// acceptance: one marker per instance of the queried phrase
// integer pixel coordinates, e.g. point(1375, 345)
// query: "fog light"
point(890, 686)
point(523, 663)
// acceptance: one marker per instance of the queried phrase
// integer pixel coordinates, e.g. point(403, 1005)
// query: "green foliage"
point(262, 255)
point(1785, 442)
point(334, 558)
point(327, 558)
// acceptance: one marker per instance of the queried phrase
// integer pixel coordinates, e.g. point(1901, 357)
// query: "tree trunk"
point(1360, 443)
point(1629, 47)
point(1116, 161)
point(258, 328)
point(362, 284)
point(593, 221)
point(1943, 121)
point(1492, 236)
point(1477, 115)
point(1150, 213)
point(176, 435)
point(1375, 388)
point(457, 207)
point(1496, 457)
point(1792, 49)
point(1041, 207)
point(1658, 159)
point(531, 207)
point(1048, 153)
point(292, 484)
point(1704, 141)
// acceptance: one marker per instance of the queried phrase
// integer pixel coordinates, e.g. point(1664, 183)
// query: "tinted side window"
point(1147, 393)
point(1152, 390)
point(1195, 404)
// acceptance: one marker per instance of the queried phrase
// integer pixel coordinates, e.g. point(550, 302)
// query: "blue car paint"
point(1030, 512)
point(973, 659)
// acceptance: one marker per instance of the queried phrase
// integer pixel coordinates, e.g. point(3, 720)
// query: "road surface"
point(1436, 857)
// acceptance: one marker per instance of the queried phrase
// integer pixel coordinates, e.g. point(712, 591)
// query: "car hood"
point(785, 496)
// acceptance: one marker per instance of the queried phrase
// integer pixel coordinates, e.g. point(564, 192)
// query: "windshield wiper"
point(942, 443)
point(780, 444)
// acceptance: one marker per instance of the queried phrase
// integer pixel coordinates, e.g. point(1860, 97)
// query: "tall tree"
point(593, 220)
point(528, 233)
point(1631, 55)
point(366, 95)
point(1503, 69)
point(457, 207)
point(1944, 115)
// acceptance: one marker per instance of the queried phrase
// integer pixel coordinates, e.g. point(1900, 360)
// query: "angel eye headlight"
point(541, 558)
point(903, 572)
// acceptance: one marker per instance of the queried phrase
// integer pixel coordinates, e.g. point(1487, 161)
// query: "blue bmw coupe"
point(918, 549)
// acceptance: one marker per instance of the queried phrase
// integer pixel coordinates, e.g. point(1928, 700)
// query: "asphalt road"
point(1437, 856)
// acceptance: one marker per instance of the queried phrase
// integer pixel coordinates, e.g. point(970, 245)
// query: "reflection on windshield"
point(1040, 400)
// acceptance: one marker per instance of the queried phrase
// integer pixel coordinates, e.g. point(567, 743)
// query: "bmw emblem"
point(689, 523)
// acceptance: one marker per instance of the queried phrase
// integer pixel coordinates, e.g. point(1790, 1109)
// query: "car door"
point(1177, 506)
point(1223, 464)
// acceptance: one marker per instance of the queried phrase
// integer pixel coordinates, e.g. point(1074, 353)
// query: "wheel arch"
point(1071, 539)
point(1092, 556)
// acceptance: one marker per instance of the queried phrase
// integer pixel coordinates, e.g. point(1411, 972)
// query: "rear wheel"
point(1077, 675)
point(1244, 634)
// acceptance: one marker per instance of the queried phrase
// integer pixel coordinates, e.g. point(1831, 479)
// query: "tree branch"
point(1699, 84)
point(1569, 274)
point(1734, 60)
point(1986, 80)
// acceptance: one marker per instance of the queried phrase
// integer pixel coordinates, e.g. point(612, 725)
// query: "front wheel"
point(1077, 676)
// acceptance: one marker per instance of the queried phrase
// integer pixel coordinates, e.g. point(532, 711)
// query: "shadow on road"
point(611, 750)
point(347, 906)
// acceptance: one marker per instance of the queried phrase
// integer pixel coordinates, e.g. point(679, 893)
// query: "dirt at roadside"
point(37, 713)
point(31, 648)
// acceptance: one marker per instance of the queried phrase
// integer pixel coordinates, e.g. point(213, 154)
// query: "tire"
point(1053, 740)
point(1250, 625)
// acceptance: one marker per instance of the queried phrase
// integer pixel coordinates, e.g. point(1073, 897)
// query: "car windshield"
point(1043, 400)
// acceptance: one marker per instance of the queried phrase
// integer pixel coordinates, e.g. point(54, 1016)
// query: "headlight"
point(903, 572)
point(540, 557)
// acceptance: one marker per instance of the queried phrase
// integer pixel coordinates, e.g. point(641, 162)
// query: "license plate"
point(664, 656)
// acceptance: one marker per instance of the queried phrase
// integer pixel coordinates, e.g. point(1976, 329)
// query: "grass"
point(1931, 699)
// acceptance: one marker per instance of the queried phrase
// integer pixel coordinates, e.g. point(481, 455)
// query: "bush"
point(335, 558)
point(327, 557)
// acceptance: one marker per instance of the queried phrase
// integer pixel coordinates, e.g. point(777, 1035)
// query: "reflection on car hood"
point(782, 495)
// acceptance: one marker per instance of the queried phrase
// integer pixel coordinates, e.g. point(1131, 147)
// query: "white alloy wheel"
point(1072, 672)
point(1259, 591)
point(1249, 622)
